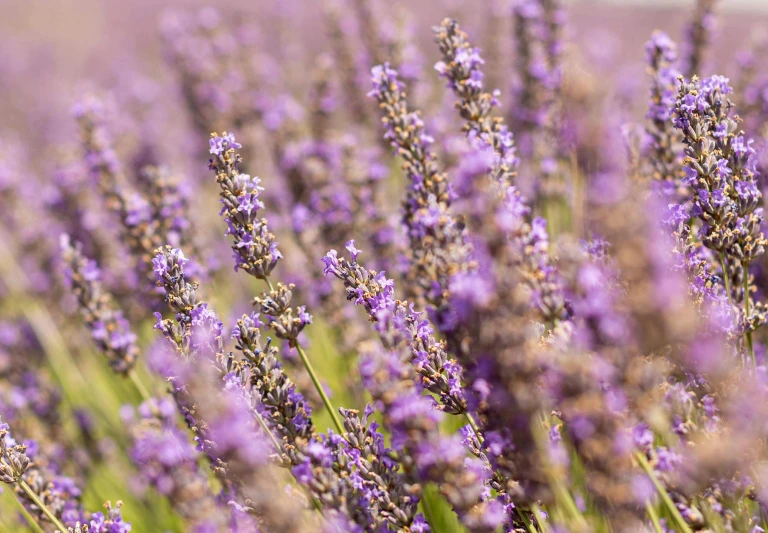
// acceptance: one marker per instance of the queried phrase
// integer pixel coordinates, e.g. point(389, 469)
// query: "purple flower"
point(383, 79)
point(354, 252)
point(219, 145)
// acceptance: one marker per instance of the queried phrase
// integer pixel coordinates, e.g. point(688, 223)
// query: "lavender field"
point(364, 266)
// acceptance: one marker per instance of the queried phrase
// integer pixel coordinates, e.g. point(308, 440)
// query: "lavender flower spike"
point(664, 149)
point(437, 371)
point(461, 68)
point(195, 334)
point(109, 329)
point(437, 241)
point(254, 245)
point(405, 131)
point(13, 458)
point(408, 414)
point(255, 249)
point(721, 169)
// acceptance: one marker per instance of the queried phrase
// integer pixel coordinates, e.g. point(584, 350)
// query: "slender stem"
point(315, 380)
point(649, 508)
point(570, 505)
point(726, 277)
point(663, 493)
point(47, 512)
point(473, 425)
point(269, 433)
point(543, 526)
point(28, 517)
point(319, 387)
point(750, 346)
point(143, 392)
point(562, 495)
point(528, 525)
point(325, 398)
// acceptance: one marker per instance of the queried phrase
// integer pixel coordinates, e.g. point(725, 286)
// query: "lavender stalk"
point(255, 250)
point(721, 171)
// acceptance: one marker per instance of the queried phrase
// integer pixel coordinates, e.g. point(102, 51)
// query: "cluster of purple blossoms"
point(111, 522)
point(663, 144)
point(168, 462)
point(196, 334)
point(536, 115)
point(151, 212)
point(721, 171)
point(537, 54)
point(400, 324)
point(438, 245)
point(54, 500)
point(405, 132)
point(255, 247)
point(401, 331)
point(14, 457)
point(109, 328)
point(461, 67)
point(270, 397)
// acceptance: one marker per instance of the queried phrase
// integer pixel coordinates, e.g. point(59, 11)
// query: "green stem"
point(315, 380)
point(269, 433)
point(654, 517)
point(143, 392)
point(562, 495)
point(527, 521)
point(663, 493)
point(47, 512)
point(320, 390)
point(726, 277)
point(473, 425)
point(745, 269)
point(543, 525)
point(570, 505)
point(28, 517)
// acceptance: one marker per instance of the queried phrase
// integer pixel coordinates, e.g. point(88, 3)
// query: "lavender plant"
point(664, 146)
point(109, 328)
point(536, 309)
point(461, 67)
point(721, 171)
point(326, 465)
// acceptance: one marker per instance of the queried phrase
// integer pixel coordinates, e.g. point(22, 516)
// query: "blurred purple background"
point(71, 45)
